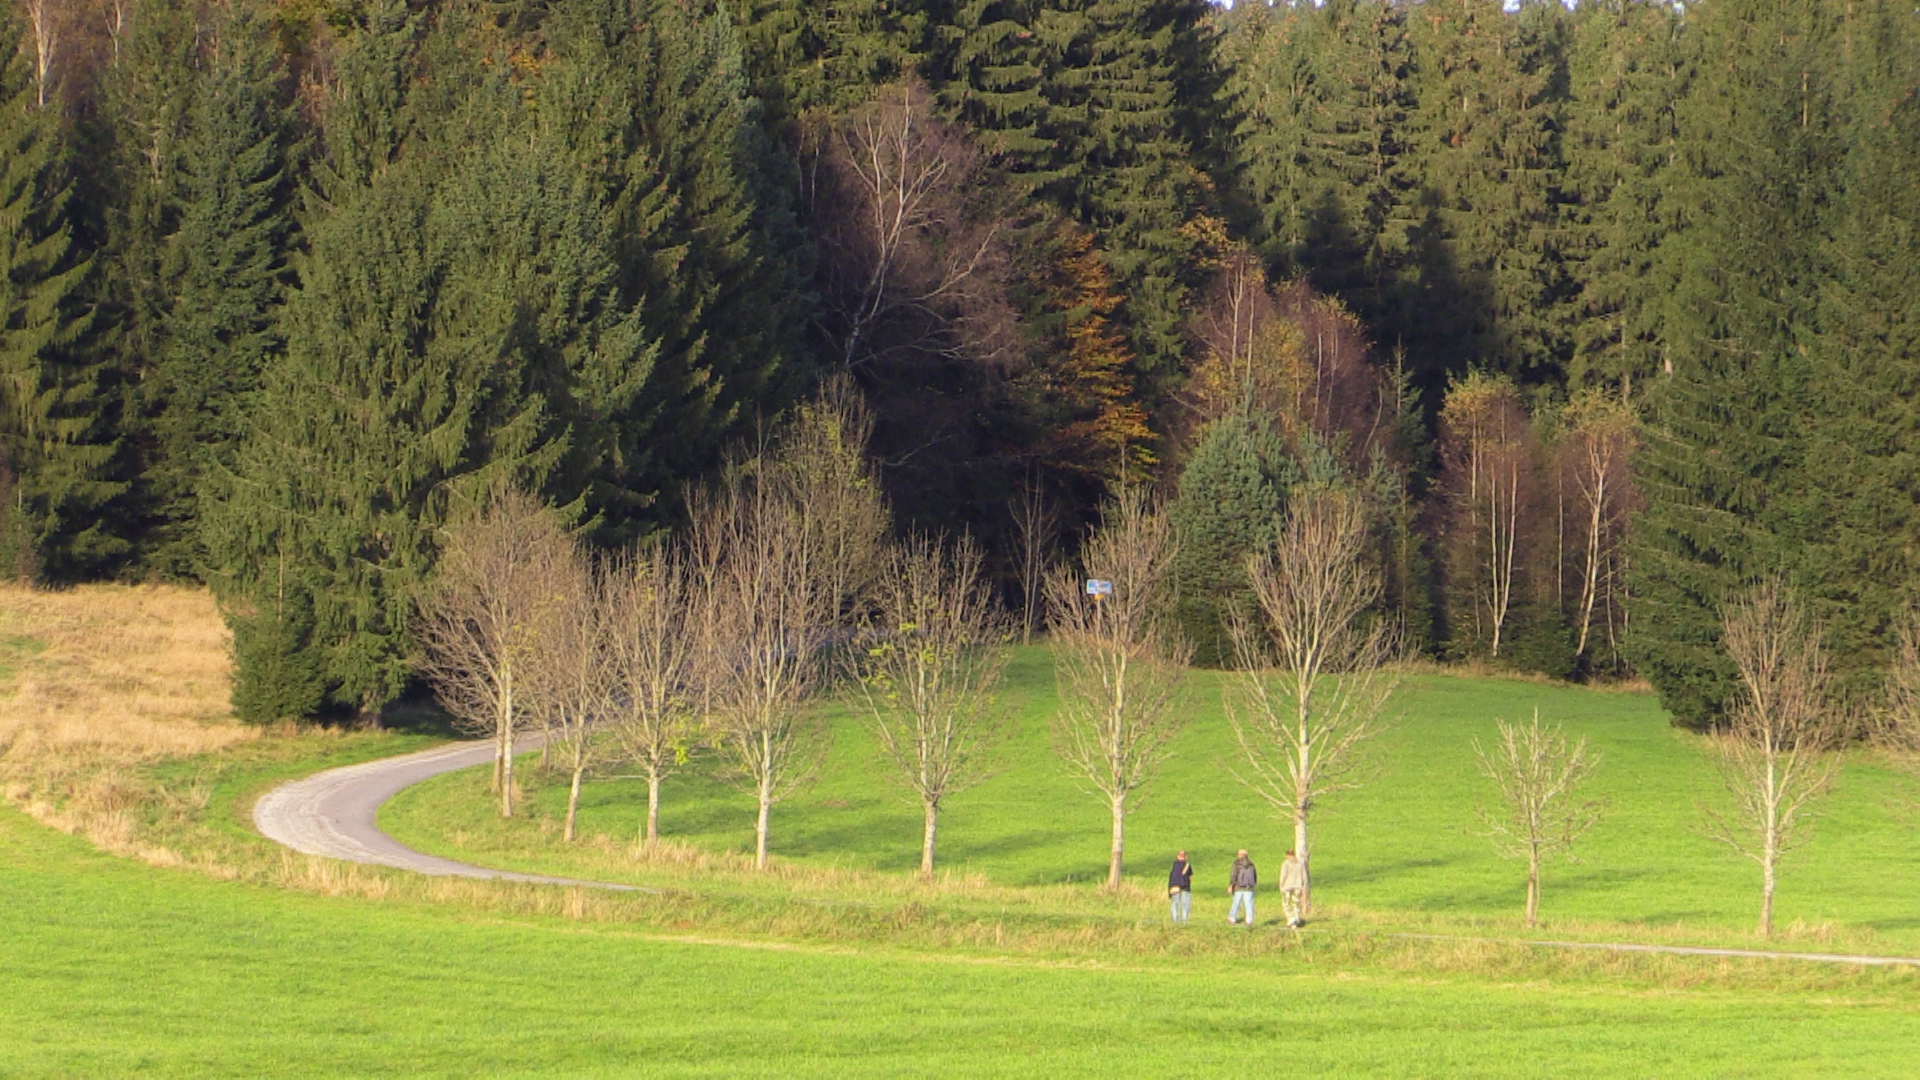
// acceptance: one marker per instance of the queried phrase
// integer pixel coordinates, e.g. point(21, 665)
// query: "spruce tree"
point(1628, 72)
point(1232, 493)
point(1861, 558)
point(56, 398)
point(458, 322)
point(1327, 154)
point(1119, 76)
point(654, 98)
point(225, 266)
point(146, 95)
point(1723, 469)
point(1487, 119)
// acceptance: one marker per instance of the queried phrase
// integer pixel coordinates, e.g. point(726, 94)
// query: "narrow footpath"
point(333, 815)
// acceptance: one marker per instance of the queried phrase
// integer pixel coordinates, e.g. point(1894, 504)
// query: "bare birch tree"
point(1602, 433)
point(1118, 663)
point(914, 256)
point(771, 615)
point(930, 674)
point(1036, 524)
point(1313, 684)
point(1487, 451)
point(1774, 753)
point(483, 619)
point(1538, 773)
point(652, 635)
point(45, 18)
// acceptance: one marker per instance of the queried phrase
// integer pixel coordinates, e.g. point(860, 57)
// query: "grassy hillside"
point(116, 968)
point(1407, 842)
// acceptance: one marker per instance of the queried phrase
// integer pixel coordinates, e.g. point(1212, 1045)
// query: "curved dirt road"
point(331, 814)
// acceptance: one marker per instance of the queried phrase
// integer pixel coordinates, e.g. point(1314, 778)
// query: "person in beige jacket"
point(1293, 889)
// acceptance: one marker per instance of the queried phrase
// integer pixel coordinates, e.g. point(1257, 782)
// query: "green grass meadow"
point(255, 964)
point(113, 968)
point(1407, 843)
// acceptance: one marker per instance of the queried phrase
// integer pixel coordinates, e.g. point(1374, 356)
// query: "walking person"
point(1293, 889)
point(1180, 888)
point(1240, 882)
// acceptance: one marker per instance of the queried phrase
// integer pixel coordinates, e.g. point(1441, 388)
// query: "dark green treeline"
point(286, 284)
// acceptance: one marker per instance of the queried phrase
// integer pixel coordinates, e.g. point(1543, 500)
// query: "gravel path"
point(331, 814)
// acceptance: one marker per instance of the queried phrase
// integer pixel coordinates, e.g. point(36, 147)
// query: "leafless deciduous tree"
point(46, 18)
point(1774, 753)
point(930, 673)
point(1487, 451)
point(914, 255)
point(1312, 686)
point(569, 675)
point(1602, 433)
point(770, 619)
point(820, 471)
point(483, 620)
point(652, 629)
point(1899, 729)
point(1538, 772)
point(1036, 524)
point(1118, 662)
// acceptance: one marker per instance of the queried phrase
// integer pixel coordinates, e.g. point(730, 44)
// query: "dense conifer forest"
point(1605, 309)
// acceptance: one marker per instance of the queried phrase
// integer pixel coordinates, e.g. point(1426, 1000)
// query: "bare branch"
point(931, 670)
point(1118, 663)
point(1774, 753)
point(483, 619)
point(1538, 774)
point(1313, 686)
point(652, 631)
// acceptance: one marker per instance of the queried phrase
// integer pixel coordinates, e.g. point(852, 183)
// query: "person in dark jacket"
point(1180, 888)
point(1240, 882)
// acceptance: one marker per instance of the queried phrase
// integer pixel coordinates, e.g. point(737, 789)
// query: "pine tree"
point(147, 94)
point(1628, 72)
point(1233, 491)
point(458, 323)
point(1862, 556)
point(1723, 471)
point(225, 265)
point(1487, 120)
point(653, 96)
point(1119, 79)
point(56, 414)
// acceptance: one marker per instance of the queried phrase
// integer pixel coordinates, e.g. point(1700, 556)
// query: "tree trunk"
point(1766, 896)
point(573, 802)
point(1533, 889)
point(1301, 852)
point(653, 810)
point(506, 771)
point(760, 833)
point(1114, 861)
point(926, 843)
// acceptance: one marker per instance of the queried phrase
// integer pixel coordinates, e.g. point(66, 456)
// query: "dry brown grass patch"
point(124, 673)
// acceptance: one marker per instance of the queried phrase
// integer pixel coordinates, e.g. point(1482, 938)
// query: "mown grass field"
point(155, 934)
point(114, 968)
point(1408, 843)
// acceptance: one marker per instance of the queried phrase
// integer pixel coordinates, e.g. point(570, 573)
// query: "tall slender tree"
point(225, 266)
point(56, 399)
point(1722, 464)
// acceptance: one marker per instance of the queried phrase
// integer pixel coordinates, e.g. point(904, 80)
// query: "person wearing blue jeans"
point(1241, 882)
point(1180, 888)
